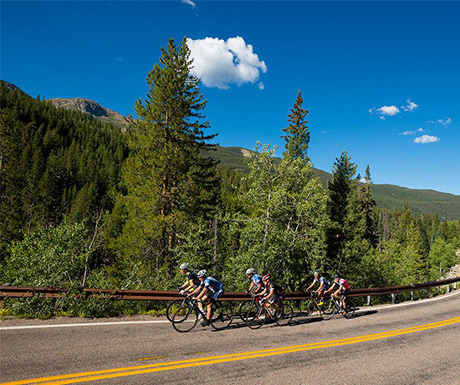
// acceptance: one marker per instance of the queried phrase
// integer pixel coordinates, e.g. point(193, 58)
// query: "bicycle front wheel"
point(328, 309)
point(222, 315)
point(306, 307)
point(244, 308)
point(284, 314)
point(173, 307)
point(256, 316)
point(185, 318)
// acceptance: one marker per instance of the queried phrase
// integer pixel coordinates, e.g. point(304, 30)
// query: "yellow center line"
point(136, 370)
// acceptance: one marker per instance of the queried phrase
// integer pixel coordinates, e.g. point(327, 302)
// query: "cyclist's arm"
point(309, 287)
point(196, 290)
point(338, 290)
point(259, 285)
point(262, 292)
point(330, 289)
point(190, 285)
point(320, 287)
point(251, 286)
point(270, 294)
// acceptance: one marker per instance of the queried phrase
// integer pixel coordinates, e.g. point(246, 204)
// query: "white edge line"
point(364, 309)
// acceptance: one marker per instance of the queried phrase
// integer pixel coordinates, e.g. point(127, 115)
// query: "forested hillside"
point(83, 204)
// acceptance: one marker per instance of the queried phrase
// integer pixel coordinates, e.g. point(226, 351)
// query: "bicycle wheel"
point(173, 306)
point(185, 318)
point(256, 316)
point(284, 314)
point(307, 306)
point(350, 308)
point(328, 309)
point(244, 308)
point(222, 315)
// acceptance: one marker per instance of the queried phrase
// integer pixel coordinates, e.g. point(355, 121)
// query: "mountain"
point(92, 108)
point(446, 206)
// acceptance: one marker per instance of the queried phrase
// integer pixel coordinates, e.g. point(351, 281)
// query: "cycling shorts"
point(345, 292)
point(217, 295)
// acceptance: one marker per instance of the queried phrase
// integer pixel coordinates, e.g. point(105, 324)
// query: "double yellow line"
point(173, 365)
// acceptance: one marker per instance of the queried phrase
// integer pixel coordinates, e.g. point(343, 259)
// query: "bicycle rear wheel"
point(284, 314)
point(350, 308)
point(328, 309)
point(222, 315)
point(256, 316)
point(185, 318)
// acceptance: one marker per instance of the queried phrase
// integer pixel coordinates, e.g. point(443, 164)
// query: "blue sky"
point(380, 79)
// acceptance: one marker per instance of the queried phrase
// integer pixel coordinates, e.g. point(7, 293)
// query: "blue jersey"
point(212, 284)
point(257, 279)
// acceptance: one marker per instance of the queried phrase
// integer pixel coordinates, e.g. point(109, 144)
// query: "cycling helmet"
point(317, 273)
point(266, 278)
point(250, 271)
point(336, 276)
point(201, 273)
point(184, 266)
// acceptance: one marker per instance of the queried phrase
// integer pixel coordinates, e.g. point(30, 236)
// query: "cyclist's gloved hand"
point(182, 292)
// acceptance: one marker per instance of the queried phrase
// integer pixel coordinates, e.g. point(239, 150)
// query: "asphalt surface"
point(411, 343)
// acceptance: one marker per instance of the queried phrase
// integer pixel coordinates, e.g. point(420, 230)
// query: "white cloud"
point(445, 122)
point(426, 139)
point(411, 106)
point(219, 63)
point(384, 110)
point(261, 86)
point(412, 132)
point(189, 2)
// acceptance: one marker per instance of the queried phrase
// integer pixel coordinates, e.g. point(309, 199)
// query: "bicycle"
point(258, 314)
point(186, 316)
point(333, 306)
point(308, 305)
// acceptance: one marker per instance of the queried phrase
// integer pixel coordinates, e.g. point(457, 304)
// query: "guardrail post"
point(411, 295)
point(448, 288)
point(368, 300)
point(437, 289)
point(393, 296)
point(455, 285)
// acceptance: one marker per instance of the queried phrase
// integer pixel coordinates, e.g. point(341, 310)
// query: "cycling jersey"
point(323, 280)
point(212, 284)
point(192, 276)
point(257, 280)
point(343, 282)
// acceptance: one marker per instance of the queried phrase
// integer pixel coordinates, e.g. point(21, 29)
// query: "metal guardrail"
point(155, 295)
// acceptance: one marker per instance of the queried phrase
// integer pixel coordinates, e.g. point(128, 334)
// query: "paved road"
point(404, 344)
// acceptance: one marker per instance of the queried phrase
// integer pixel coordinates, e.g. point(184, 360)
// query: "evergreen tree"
point(339, 191)
point(298, 135)
point(167, 178)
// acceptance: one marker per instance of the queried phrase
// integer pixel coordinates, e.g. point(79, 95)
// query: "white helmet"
point(250, 271)
point(201, 273)
point(184, 266)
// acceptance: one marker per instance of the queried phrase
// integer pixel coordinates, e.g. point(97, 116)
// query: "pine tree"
point(167, 178)
point(298, 135)
point(339, 190)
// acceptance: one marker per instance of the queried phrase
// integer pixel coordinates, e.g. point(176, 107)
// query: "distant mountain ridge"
point(445, 205)
point(92, 108)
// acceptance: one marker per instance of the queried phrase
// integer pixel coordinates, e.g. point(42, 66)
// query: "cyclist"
point(192, 281)
point(257, 284)
point(343, 290)
point(324, 284)
point(272, 293)
point(214, 290)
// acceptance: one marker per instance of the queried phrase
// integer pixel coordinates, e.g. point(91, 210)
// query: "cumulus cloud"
point(189, 2)
point(219, 63)
point(411, 132)
point(384, 111)
point(411, 106)
point(261, 86)
point(426, 139)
